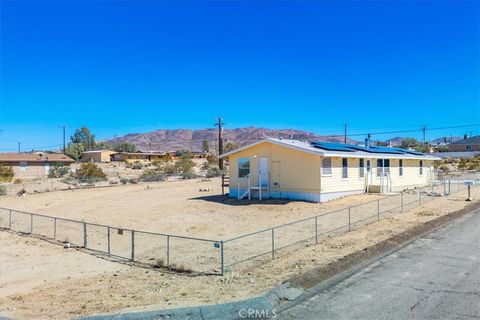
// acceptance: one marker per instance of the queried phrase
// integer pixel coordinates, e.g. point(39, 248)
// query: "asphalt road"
point(434, 277)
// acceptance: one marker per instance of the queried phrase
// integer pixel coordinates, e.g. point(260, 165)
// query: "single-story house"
point(467, 144)
point(139, 156)
point(31, 165)
point(98, 156)
point(319, 171)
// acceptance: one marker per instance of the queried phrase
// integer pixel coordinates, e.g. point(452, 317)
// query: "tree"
point(125, 147)
point(205, 146)
point(230, 146)
point(74, 150)
point(102, 146)
point(409, 143)
point(84, 137)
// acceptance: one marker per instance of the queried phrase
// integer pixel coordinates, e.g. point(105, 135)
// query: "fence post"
point(419, 196)
point(273, 243)
point(316, 230)
point(31, 223)
point(401, 199)
point(349, 212)
point(378, 209)
point(222, 266)
point(449, 186)
point(133, 245)
point(55, 228)
point(10, 220)
point(168, 252)
point(108, 240)
point(85, 235)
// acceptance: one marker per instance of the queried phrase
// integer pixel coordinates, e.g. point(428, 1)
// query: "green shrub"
point(152, 175)
point(89, 172)
point(124, 180)
point(3, 190)
point(213, 172)
point(6, 173)
point(58, 170)
point(17, 181)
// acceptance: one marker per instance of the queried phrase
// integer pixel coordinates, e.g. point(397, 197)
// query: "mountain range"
point(181, 139)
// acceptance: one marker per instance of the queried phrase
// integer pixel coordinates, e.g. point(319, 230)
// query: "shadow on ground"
point(223, 199)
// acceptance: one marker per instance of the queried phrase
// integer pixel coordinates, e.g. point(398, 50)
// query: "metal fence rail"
point(207, 256)
point(180, 253)
point(266, 243)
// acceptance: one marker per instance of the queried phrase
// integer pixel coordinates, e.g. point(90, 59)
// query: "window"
point(327, 167)
point(344, 168)
point(400, 167)
point(383, 165)
point(361, 166)
point(23, 166)
point(469, 147)
point(421, 167)
point(243, 167)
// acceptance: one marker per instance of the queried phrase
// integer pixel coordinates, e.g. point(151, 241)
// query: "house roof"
point(471, 140)
point(35, 157)
point(324, 149)
point(98, 151)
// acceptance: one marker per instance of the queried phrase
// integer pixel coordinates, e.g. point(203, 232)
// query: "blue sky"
point(122, 67)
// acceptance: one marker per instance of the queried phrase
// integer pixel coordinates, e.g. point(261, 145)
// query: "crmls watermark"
point(257, 314)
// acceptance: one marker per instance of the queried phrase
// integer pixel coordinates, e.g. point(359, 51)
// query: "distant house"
point(318, 172)
point(98, 156)
point(467, 144)
point(31, 165)
point(139, 156)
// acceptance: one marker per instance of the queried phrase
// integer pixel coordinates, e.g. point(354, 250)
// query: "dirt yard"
point(176, 207)
point(45, 281)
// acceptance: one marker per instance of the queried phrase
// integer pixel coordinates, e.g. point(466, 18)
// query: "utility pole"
point(220, 124)
point(345, 134)
point(18, 147)
point(424, 131)
point(64, 127)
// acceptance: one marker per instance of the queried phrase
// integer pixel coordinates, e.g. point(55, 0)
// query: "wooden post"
point(316, 230)
point(168, 252)
point(85, 235)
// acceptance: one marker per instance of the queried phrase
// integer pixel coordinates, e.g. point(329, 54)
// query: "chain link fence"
point(177, 253)
point(265, 244)
point(205, 256)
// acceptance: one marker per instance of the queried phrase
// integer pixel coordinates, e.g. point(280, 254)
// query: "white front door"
point(263, 171)
point(369, 174)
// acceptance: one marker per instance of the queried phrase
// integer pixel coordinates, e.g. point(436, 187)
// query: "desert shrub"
point(213, 172)
point(3, 190)
point(151, 175)
point(6, 173)
point(58, 170)
point(128, 165)
point(70, 180)
point(444, 168)
point(137, 165)
point(89, 172)
point(188, 175)
point(168, 169)
point(129, 180)
point(17, 181)
point(185, 164)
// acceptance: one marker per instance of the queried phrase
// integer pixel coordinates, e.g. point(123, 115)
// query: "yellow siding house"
point(318, 172)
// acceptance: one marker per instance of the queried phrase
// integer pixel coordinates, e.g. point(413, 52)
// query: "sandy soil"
point(176, 207)
point(40, 280)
